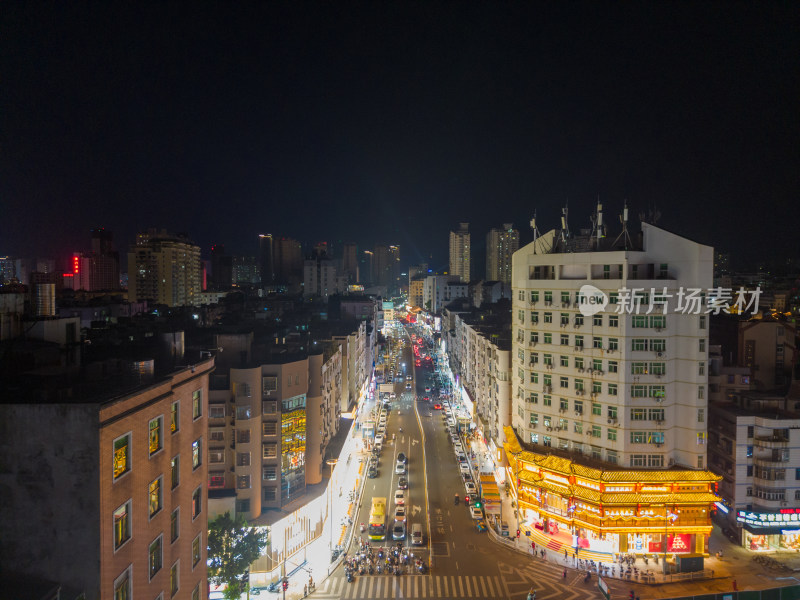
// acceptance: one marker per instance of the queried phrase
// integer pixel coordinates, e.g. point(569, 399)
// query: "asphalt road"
point(464, 563)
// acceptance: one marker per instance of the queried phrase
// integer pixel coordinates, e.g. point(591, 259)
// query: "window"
point(197, 453)
point(613, 366)
point(269, 407)
point(548, 317)
point(216, 456)
point(750, 431)
point(578, 363)
point(270, 450)
point(122, 524)
point(217, 435)
point(270, 473)
point(534, 337)
point(534, 296)
point(216, 411)
point(173, 579)
point(547, 400)
point(564, 361)
point(612, 389)
point(579, 341)
point(243, 482)
point(156, 557)
point(564, 382)
point(658, 345)
point(612, 435)
point(548, 296)
point(534, 317)
point(613, 344)
point(564, 339)
point(749, 452)
point(548, 380)
point(613, 320)
point(597, 408)
point(638, 344)
point(702, 324)
point(175, 524)
point(596, 432)
point(701, 392)
point(548, 359)
point(565, 318)
point(154, 495)
point(270, 494)
point(122, 586)
point(174, 418)
point(534, 377)
point(578, 320)
point(638, 391)
point(597, 342)
point(242, 436)
point(196, 550)
point(197, 499)
point(597, 387)
point(702, 344)
point(563, 404)
point(579, 385)
point(701, 438)
point(269, 428)
point(175, 471)
point(548, 338)
point(243, 412)
point(197, 404)
point(578, 428)
point(122, 461)
point(658, 368)
point(243, 506)
point(242, 459)
point(534, 419)
point(701, 368)
point(638, 322)
point(216, 479)
point(578, 407)
point(612, 413)
point(638, 368)
point(597, 320)
point(749, 470)
point(701, 415)
point(196, 592)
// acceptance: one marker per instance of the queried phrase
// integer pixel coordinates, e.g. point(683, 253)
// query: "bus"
point(377, 519)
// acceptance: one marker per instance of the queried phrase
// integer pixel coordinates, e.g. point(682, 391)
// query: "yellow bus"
point(377, 519)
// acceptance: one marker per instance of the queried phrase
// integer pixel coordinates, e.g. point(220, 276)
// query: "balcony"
point(771, 442)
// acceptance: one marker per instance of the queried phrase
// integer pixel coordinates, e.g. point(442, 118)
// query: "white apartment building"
point(629, 389)
point(439, 290)
point(460, 252)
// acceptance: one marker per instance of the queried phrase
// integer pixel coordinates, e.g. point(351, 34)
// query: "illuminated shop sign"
point(791, 515)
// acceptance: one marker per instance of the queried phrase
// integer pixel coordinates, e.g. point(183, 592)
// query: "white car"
point(400, 513)
point(378, 440)
point(475, 512)
point(400, 468)
point(470, 487)
point(464, 467)
point(399, 497)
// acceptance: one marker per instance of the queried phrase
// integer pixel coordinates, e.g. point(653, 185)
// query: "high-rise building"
point(365, 272)
point(460, 252)
point(381, 266)
point(500, 247)
point(221, 268)
point(350, 262)
point(630, 389)
point(245, 270)
point(394, 269)
point(165, 269)
point(288, 261)
point(265, 256)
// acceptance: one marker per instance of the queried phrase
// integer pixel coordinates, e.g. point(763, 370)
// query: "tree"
point(232, 547)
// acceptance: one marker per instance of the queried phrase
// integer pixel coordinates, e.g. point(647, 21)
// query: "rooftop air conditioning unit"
point(534, 425)
point(578, 348)
point(671, 462)
point(609, 421)
point(659, 354)
point(658, 328)
point(549, 429)
point(565, 304)
point(658, 445)
point(548, 303)
point(579, 392)
point(600, 372)
point(580, 369)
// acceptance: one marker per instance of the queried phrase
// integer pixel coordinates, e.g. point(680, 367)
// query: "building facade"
point(164, 269)
point(119, 507)
point(500, 247)
point(460, 252)
point(607, 364)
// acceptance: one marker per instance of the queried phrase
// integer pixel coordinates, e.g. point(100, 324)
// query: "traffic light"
point(285, 584)
point(477, 504)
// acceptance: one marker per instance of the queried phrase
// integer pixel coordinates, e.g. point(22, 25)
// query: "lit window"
point(174, 420)
point(122, 524)
point(197, 453)
point(122, 586)
point(156, 442)
point(122, 463)
point(154, 496)
point(174, 582)
point(196, 503)
point(196, 592)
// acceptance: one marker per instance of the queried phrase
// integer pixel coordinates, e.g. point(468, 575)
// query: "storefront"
point(770, 531)
point(611, 510)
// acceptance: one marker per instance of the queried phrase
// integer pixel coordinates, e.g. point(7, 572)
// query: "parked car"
point(475, 512)
point(402, 483)
point(470, 487)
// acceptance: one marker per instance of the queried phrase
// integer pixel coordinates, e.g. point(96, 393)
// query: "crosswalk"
point(379, 587)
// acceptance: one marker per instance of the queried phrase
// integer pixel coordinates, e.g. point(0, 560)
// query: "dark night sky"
point(392, 122)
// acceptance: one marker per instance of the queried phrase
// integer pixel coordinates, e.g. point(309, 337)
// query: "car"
point(402, 456)
point(426, 398)
point(428, 389)
point(466, 477)
point(416, 534)
point(372, 473)
point(400, 513)
point(399, 497)
point(400, 468)
point(399, 530)
point(461, 457)
point(409, 378)
point(464, 467)
point(402, 483)
point(458, 447)
point(475, 512)
point(437, 406)
point(408, 386)
point(378, 440)
point(470, 487)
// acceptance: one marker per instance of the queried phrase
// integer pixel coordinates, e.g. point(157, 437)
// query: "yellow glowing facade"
point(610, 511)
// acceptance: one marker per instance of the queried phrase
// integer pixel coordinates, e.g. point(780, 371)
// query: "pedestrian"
point(735, 587)
point(305, 591)
point(565, 554)
point(565, 574)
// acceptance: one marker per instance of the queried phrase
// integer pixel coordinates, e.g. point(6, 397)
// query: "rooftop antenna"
point(536, 233)
point(597, 224)
point(626, 238)
point(564, 223)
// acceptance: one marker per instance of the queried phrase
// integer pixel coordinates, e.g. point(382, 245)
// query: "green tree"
point(232, 547)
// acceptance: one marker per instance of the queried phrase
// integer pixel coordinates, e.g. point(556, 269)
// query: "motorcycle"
point(456, 500)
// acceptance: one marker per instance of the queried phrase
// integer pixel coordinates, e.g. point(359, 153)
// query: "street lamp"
point(331, 463)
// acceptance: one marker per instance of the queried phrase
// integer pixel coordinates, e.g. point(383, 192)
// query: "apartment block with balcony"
point(754, 444)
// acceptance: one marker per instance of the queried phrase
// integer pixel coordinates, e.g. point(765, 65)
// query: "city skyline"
point(391, 124)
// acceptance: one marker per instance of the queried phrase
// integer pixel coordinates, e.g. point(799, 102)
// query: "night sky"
point(391, 122)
